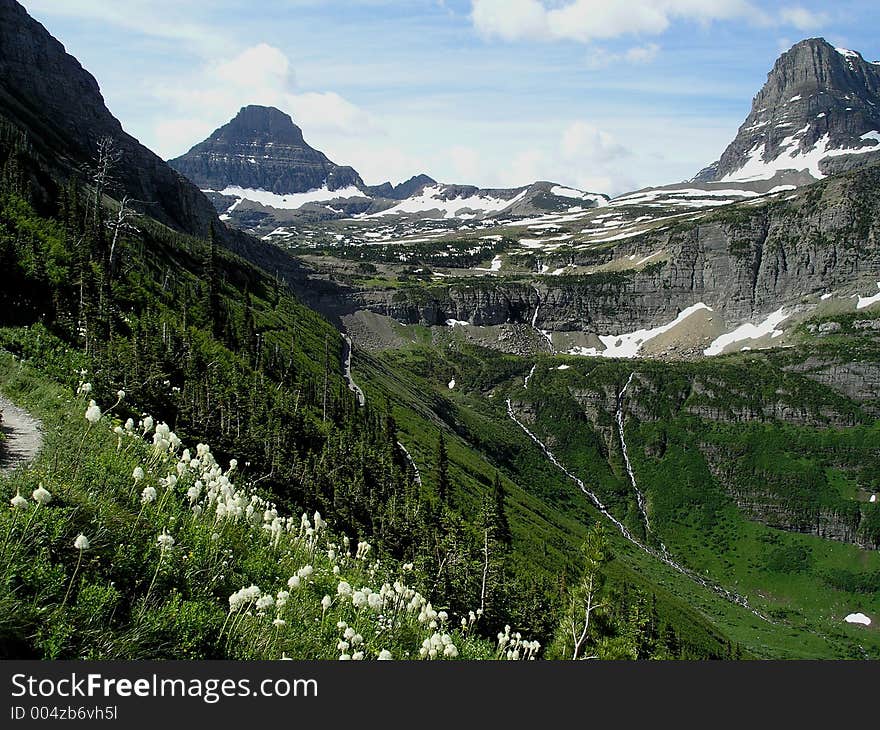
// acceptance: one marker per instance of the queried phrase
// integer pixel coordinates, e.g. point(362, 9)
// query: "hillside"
point(664, 406)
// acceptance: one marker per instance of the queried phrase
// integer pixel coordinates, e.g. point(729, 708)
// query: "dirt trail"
point(23, 436)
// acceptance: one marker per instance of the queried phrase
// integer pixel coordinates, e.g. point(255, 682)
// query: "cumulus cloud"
point(803, 19)
point(602, 58)
point(166, 19)
point(261, 74)
point(466, 162)
point(583, 140)
point(582, 155)
point(586, 21)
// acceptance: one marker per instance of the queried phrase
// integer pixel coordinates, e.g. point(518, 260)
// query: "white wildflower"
point(148, 495)
point(165, 540)
point(137, 474)
point(41, 495)
point(385, 656)
point(81, 542)
point(93, 413)
point(18, 502)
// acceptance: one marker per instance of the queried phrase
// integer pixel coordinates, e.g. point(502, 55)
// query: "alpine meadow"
point(253, 407)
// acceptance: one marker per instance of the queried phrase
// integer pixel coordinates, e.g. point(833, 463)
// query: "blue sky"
point(605, 95)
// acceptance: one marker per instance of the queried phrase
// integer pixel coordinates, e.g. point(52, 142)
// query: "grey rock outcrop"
point(46, 92)
point(743, 263)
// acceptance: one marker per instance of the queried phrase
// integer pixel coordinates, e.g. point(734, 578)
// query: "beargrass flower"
point(385, 655)
point(264, 602)
point(41, 495)
point(165, 540)
point(81, 542)
point(18, 502)
point(148, 495)
point(93, 413)
point(344, 588)
point(325, 602)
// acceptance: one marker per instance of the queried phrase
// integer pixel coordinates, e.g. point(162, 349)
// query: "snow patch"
point(431, 199)
point(747, 332)
point(290, 201)
point(756, 168)
point(563, 192)
point(865, 302)
point(628, 345)
point(858, 618)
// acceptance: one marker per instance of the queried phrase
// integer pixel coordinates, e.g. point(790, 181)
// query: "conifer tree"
point(442, 470)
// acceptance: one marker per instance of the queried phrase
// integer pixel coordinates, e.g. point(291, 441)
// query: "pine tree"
point(442, 470)
point(502, 525)
point(212, 284)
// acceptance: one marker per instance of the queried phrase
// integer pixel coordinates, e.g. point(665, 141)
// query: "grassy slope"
point(793, 579)
point(126, 597)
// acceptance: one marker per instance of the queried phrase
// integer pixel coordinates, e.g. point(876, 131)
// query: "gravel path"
point(23, 436)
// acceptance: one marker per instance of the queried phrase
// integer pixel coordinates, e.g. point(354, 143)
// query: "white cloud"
point(377, 162)
point(585, 21)
point(465, 162)
point(588, 20)
point(803, 19)
point(642, 54)
point(166, 19)
point(261, 65)
point(262, 74)
point(601, 58)
point(582, 140)
point(582, 155)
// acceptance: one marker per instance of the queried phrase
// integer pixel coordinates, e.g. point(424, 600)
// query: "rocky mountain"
point(261, 175)
point(818, 113)
point(726, 279)
point(46, 91)
point(262, 149)
point(402, 190)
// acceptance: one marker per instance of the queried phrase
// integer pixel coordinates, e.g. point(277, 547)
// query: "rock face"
point(46, 92)
point(744, 264)
point(404, 190)
point(818, 102)
point(262, 149)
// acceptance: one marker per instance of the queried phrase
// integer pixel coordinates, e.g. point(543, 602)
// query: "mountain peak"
point(262, 149)
point(820, 104)
point(264, 123)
